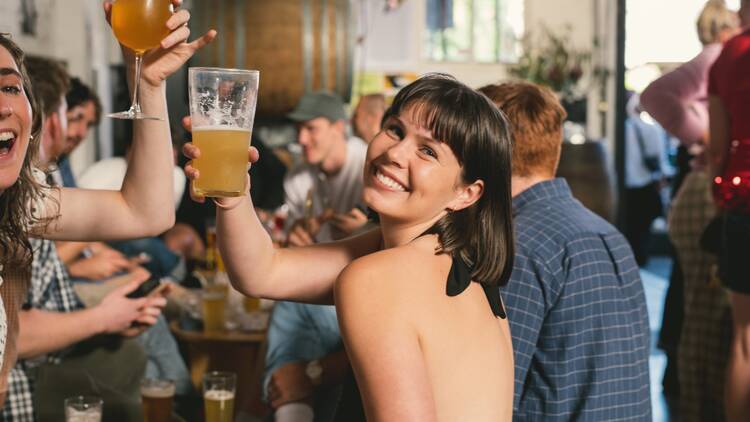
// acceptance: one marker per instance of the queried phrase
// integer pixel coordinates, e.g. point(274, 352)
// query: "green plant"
point(551, 60)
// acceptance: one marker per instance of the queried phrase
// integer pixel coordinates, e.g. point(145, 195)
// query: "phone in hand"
point(146, 288)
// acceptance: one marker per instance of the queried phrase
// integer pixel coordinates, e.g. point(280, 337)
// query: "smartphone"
point(146, 288)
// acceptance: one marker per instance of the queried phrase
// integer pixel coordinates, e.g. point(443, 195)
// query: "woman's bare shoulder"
point(389, 276)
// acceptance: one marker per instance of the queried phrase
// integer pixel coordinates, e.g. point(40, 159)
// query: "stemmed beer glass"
point(139, 25)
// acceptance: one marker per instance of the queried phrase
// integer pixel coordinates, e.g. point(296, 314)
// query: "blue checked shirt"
point(51, 290)
point(577, 313)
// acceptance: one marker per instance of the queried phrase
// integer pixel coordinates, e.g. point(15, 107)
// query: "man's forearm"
point(45, 332)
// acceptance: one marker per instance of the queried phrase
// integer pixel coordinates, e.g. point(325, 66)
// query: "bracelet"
point(227, 207)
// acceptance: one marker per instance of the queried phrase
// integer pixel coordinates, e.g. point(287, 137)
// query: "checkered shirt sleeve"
point(51, 290)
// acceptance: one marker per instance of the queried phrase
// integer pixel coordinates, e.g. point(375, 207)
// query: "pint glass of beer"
point(218, 396)
point(222, 108)
point(157, 396)
point(214, 300)
point(83, 409)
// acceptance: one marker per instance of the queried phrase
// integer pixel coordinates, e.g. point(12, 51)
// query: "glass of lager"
point(214, 300)
point(222, 109)
point(83, 409)
point(139, 25)
point(157, 396)
point(218, 396)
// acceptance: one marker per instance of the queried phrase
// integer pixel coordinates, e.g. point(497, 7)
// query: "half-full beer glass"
point(139, 25)
point(157, 396)
point(222, 108)
point(218, 396)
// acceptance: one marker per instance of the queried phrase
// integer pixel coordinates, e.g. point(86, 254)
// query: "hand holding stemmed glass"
point(154, 41)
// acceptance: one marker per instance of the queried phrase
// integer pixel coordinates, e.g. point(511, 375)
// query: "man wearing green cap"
point(323, 193)
point(305, 360)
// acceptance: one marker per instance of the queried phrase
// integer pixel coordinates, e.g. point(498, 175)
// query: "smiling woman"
point(20, 125)
point(141, 208)
point(423, 287)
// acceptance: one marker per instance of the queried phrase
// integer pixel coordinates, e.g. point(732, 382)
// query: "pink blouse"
point(679, 99)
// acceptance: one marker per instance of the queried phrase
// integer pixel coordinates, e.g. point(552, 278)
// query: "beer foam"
point(220, 127)
point(89, 415)
point(158, 392)
point(218, 395)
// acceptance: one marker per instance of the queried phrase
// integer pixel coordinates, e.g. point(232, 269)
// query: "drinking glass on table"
point(214, 301)
point(83, 409)
point(139, 25)
point(157, 396)
point(222, 109)
point(218, 396)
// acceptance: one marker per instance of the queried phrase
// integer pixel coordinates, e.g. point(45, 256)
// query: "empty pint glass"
point(222, 108)
point(218, 396)
point(157, 396)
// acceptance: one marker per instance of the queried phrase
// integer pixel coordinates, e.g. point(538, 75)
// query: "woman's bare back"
point(456, 357)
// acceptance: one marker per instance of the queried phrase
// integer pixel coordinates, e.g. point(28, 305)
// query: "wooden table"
point(233, 351)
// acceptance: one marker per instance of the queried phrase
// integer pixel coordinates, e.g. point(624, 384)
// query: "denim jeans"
point(163, 261)
point(300, 332)
point(163, 356)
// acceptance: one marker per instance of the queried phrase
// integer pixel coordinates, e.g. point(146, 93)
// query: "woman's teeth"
point(389, 182)
point(6, 142)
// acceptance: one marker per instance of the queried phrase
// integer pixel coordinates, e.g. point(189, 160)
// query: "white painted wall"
point(392, 42)
point(75, 32)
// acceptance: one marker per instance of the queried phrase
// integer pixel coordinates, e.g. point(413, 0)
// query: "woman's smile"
point(7, 140)
point(388, 180)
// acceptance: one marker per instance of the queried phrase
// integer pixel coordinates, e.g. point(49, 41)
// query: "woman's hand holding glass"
point(192, 152)
point(158, 63)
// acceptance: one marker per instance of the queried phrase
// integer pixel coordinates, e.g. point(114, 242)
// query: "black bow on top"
point(459, 278)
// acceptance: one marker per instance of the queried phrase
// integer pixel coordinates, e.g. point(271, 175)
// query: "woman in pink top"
point(699, 336)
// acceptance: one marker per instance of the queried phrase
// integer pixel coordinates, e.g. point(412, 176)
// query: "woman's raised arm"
point(143, 207)
point(257, 268)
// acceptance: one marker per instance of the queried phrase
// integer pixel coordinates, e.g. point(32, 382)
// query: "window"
point(487, 31)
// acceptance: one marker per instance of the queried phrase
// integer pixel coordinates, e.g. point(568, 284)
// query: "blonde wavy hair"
point(715, 18)
point(17, 215)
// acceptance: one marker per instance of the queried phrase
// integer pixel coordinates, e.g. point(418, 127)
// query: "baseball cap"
point(318, 104)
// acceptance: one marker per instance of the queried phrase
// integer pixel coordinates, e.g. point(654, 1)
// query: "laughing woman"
point(143, 206)
point(417, 299)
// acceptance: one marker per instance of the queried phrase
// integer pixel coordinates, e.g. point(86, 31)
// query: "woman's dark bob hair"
point(478, 134)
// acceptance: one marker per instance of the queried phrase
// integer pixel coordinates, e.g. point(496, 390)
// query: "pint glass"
point(83, 409)
point(157, 396)
point(218, 396)
point(222, 108)
point(214, 300)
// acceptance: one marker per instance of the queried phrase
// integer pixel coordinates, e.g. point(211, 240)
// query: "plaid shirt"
point(577, 313)
point(51, 290)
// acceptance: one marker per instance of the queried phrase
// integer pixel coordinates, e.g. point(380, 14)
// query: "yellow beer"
point(214, 300)
point(157, 400)
point(250, 304)
point(223, 160)
point(219, 405)
point(140, 24)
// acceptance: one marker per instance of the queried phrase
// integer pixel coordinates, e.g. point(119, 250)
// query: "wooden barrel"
point(298, 46)
point(585, 167)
